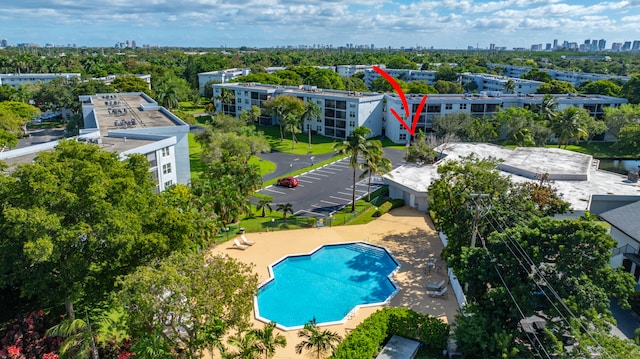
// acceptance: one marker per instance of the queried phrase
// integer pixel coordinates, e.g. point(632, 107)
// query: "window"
point(318, 128)
point(166, 168)
point(168, 183)
point(448, 106)
point(352, 114)
point(165, 151)
point(463, 106)
point(402, 137)
point(352, 123)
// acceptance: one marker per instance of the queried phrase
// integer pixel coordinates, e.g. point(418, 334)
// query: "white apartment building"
point(481, 105)
point(496, 83)
point(128, 123)
point(428, 76)
point(342, 111)
point(575, 78)
point(221, 77)
point(350, 70)
point(15, 80)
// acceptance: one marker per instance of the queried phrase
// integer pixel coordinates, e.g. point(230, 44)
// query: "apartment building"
point(575, 78)
point(342, 111)
point(128, 123)
point(481, 105)
point(428, 76)
point(496, 83)
point(15, 80)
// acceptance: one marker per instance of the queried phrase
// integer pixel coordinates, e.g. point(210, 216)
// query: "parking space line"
point(299, 180)
point(324, 171)
point(307, 176)
point(345, 193)
point(333, 203)
point(340, 198)
point(315, 173)
point(273, 190)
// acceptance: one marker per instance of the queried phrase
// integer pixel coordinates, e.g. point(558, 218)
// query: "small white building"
point(15, 80)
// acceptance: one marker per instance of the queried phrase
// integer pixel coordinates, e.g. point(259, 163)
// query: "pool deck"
point(407, 233)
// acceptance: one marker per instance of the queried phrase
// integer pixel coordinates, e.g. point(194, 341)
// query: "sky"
point(446, 24)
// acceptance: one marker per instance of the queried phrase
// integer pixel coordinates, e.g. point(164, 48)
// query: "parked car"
point(288, 182)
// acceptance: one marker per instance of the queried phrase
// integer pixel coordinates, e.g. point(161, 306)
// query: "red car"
point(288, 182)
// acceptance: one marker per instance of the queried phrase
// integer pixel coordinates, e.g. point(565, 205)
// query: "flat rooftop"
point(575, 175)
point(116, 112)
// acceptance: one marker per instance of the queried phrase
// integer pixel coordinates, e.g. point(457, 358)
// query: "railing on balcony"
point(627, 248)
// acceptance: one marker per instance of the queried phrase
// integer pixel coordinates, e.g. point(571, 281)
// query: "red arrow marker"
point(403, 98)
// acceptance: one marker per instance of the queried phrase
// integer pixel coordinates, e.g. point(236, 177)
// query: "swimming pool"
point(326, 285)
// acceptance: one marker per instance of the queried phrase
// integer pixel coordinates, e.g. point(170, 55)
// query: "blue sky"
point(446, 24)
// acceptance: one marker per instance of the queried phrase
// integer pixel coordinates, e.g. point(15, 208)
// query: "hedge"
point(367, 339)
point(388, 205)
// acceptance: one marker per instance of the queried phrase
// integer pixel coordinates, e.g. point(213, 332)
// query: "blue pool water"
point(326, 284)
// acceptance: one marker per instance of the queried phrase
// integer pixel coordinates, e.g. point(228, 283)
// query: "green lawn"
point(319, 144)
point(195, 151)
point(187, 106)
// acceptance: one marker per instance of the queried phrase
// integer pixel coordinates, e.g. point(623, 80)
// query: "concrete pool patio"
point(407, 233)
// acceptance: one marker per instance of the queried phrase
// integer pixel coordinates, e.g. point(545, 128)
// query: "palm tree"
point(79, 341)
point(267, 341)
point(226, 97)
point(510, 86)
point(316, 341)
point(567, 126)
point(263, 204)
point(247, 345)
point(355, 146)
point(312, 112)
point(292, 121)
point(546, 110)
point(284, 208)
point(374, 163)
point(168, 96)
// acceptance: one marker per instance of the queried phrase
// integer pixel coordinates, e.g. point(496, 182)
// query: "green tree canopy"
point(631, 89)
point(401, 62)
point(188, 301)
point(601, 87)
point(79, 217)
point(556, 87)
point(618, 117)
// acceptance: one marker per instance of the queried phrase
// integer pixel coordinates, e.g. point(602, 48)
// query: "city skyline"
point(447, 24)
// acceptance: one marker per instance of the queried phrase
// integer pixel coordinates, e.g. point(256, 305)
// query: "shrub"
point(396, 203)
point(311, 221)
point(366, 340)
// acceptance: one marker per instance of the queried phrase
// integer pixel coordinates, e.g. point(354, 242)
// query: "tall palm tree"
point(374, 163)
point(226, 97)
point(355, 146)
point(168, 96)
point(284, 208)
point(510, 86)
point(268, 341)
point(264, 204)
point(247, 346)
point(546, 110)
point(312, 112)
point(292, 121)
point(316, 341)
point(568, 125)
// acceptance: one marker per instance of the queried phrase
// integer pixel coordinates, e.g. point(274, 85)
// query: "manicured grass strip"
point(266, 167)
point(319, 144)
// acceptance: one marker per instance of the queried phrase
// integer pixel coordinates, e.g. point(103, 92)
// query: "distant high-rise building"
point(555, 44)
point(492, 47)
point(4, 43)
point(626, 46)
point(602, 44)
point(548, 47)
point(133, 44)
point(616, 46)
point(635, 46)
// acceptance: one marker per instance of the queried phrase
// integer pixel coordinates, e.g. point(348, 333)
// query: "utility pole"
point(479, 210)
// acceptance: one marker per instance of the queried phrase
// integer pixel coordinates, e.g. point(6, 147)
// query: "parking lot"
point(322, 191)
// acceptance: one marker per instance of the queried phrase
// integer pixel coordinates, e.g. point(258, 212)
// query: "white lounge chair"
point(239, 245)
point(436, 286)
point(246, 241)
point(442, 293)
